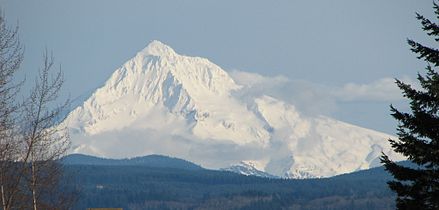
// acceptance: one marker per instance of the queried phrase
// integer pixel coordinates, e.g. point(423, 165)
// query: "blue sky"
point(337, 57)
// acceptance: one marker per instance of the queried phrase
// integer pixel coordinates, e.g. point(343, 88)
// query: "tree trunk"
point(3, 198)
point(34, 186)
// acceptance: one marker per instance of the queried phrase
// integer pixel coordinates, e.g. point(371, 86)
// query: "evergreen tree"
point(418, 132)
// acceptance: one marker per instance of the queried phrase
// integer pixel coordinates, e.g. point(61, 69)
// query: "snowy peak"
point(157, 72)
point(159, 63)
point(159, 80)
point(165, 103)
point(247, 169)
point(157, 48)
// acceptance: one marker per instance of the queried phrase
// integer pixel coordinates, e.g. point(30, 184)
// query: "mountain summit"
point(156, 48)
point(160, 102)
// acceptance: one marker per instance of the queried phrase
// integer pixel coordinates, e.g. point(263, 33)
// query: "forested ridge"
point(145, 187)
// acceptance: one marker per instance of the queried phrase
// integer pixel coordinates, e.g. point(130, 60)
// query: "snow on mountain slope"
point(248, 169)
point(319, 145)
point(159, 78)
point(165, 103)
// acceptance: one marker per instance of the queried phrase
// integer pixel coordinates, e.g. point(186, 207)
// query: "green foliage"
point(418, 132)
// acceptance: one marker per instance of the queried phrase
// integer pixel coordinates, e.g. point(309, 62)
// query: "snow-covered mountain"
point(248, 169)
point(160, 102)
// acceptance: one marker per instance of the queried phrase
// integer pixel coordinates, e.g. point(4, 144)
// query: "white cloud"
point(132, 142)
point(253, 79)
point(310, 98)
point(383, 90)
point(318, 99)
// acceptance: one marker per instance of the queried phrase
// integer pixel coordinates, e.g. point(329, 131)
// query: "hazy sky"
point(336, 58)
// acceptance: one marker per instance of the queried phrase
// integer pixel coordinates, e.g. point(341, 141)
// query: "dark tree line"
point(141, 187)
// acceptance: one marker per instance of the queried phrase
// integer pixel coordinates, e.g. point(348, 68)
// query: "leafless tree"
point(31, 139)
point(45, 141)
point(11, 56)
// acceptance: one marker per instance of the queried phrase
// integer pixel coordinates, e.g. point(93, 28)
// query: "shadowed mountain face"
point(160, 102)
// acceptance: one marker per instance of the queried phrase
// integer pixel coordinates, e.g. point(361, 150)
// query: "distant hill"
point(159, 161)
point(122, 183)
point(377, 173)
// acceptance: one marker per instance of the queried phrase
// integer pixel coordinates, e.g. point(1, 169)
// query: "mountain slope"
point(160, 102)
point(247, 169)
point(159, 161)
